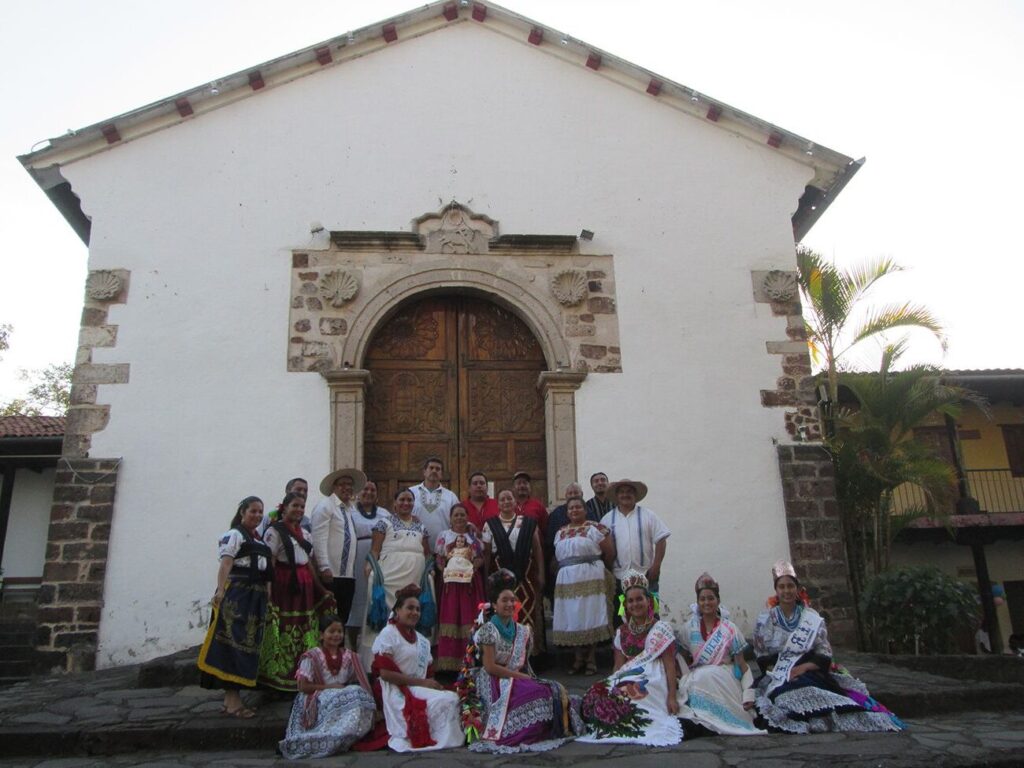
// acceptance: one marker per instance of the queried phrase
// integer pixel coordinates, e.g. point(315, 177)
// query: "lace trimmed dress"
point(711, 693)
point(516, 715)
point(330, 720)
point(816, 701)
point(581, 599)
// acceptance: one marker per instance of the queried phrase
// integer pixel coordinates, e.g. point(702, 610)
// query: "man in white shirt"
point(433, 502)
point(640, 536)
point(334, 535)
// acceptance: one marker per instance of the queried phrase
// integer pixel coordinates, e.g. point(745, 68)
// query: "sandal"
point(242, 713)
point(591, 668)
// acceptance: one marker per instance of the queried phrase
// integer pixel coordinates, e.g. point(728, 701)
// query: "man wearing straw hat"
point(640, 535)
point(334, 535)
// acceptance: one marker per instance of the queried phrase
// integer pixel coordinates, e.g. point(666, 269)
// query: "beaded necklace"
point(788, 624)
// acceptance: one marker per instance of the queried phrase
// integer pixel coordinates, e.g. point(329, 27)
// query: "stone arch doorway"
point(454, 376)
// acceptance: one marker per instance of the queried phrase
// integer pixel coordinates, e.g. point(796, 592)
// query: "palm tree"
point(875, 453)
point(831, 296)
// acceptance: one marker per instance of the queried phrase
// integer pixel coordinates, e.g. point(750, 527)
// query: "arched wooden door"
point(454, 377)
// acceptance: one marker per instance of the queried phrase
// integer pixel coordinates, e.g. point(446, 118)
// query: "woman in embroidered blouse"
point(459, 555)
point(229, 657)
point(334, 707)
point(638, 703)
point(367, 515)
point(512, 541)
point(420, 714)
point(292, 618)
point(799, 690)
point(400, 551)
point(716, 694)
point(504, 704)
point(582, 551)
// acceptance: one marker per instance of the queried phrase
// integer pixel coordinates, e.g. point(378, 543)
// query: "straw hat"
point(641, 488)
point(357, 475)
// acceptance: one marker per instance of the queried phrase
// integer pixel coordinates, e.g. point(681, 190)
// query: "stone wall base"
point(815, 536)
point(71, 595)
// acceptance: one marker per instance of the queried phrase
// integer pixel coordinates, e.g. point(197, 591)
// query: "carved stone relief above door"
point(340, 295)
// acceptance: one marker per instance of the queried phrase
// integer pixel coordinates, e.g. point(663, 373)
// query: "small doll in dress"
point(459, 568)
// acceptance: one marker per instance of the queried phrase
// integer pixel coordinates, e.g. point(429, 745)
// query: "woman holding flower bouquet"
point(505, 708)
point(638, 703)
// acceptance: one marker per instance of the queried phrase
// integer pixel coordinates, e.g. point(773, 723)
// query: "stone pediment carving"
point(455, 229)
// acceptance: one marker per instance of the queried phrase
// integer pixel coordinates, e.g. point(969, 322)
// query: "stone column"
point(559, 391)
point(348, 406)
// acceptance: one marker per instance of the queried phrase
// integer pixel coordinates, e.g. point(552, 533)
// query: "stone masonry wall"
point(815, 536)
point(71, 597)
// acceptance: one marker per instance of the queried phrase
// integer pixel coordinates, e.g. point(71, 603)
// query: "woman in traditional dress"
point(716, 694)
point(420, 714)
point(638, 703)
point(503, 703)
point(229, 658)
point(582, 551)
point(512, 541)
point(334, 707)
point(368, 514)
point(292, 623)
point(459, 555)
point(800, 690)
point(399, 553)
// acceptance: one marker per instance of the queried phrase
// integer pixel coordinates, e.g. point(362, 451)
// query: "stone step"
point(19, 652)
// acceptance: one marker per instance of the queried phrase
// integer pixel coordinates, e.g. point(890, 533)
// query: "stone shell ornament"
point(779, 285)
point(103, 285)
point(569, 286)
point(338, 287)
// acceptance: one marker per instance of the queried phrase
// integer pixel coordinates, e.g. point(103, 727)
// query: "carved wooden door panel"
point(454, 377)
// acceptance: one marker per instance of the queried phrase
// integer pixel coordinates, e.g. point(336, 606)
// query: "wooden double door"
point(455, 377)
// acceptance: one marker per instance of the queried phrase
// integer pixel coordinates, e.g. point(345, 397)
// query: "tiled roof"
point(992, 372)
point(31, 426)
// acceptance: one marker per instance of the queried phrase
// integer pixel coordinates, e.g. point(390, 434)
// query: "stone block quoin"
point(795, 388)
point(103, 287)
point(815, 535)
point(71, 596)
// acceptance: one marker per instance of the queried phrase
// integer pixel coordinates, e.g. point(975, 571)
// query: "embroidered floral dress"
point(581, 598)
point(460, 600)
point(405, 707)
point(631, 705)
point(516, 715)
point(712, 692)
point(330, 720)
point(401, 563)
point(816, 701)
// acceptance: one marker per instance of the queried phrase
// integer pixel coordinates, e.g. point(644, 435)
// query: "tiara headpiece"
point(704, 581)
point(783, 568)
point(632, 578)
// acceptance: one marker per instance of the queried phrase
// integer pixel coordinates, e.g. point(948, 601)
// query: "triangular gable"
point(832, 170)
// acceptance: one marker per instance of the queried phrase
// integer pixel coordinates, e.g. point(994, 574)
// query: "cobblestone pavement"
point(969, 739)
point(58, 722)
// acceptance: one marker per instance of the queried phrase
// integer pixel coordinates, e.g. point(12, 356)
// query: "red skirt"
point(459, 607)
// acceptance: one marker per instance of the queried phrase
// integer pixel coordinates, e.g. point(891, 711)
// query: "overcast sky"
point(930, 91)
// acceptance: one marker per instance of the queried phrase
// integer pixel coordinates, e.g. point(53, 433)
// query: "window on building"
point(1013, 437)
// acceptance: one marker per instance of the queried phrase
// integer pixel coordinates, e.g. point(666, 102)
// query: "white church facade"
point(457, 232)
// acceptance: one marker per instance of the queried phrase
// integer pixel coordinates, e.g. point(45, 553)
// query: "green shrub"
point(924, 602)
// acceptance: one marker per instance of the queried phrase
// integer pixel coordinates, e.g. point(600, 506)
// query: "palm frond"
point(898, 316)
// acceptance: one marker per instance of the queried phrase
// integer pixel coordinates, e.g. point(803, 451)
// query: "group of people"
point(441, 585)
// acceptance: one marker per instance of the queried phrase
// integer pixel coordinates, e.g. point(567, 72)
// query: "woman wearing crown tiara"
point(505, 708)
point(639, 702)
point(717, 692)
point(800, 689)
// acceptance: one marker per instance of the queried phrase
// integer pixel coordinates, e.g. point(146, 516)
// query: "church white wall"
point(25, 545)
point(205, 216)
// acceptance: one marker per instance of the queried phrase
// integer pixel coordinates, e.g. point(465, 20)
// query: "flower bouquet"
point(611, 713)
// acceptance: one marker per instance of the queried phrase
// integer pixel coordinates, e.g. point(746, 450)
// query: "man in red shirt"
point(479, 506)
point(526, 505)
